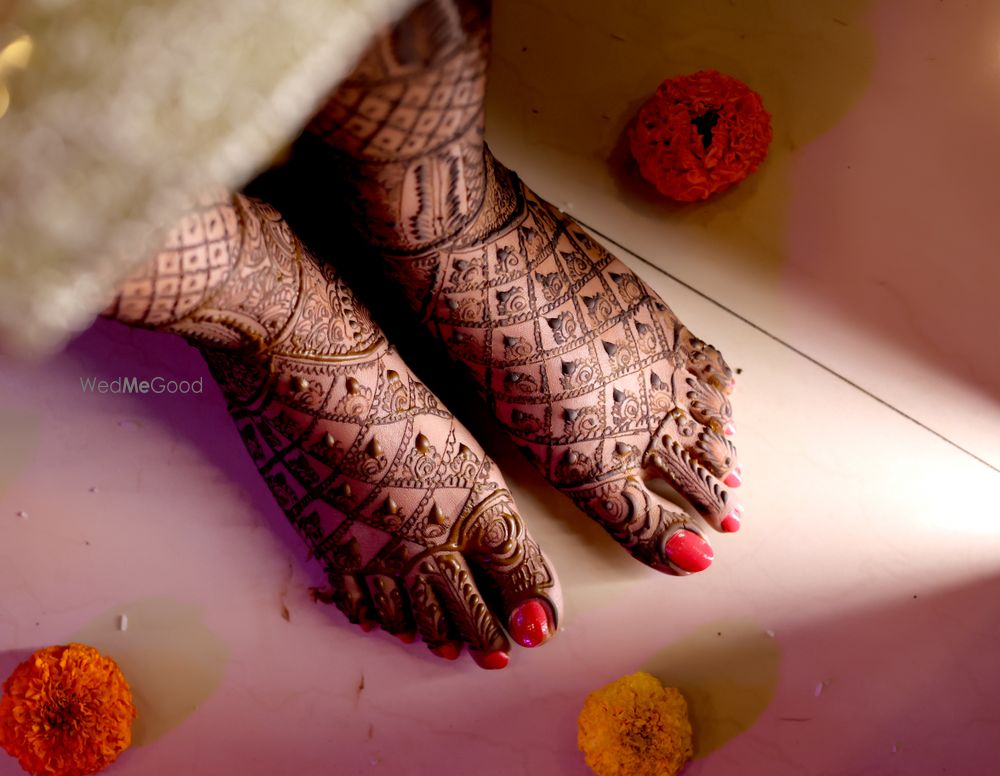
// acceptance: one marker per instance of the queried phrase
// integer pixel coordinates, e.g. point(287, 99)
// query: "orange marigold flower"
point(635, 727)
point(66, 711)
point(700, 134)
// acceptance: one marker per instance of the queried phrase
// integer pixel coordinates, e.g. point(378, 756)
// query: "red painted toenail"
point(494, 660)
point(449, 651)
point(689, 551)
point(367, 626)
point(406, 638)
point(529, 623)
point(731, 522)
point(729, 429)
point(735, 478)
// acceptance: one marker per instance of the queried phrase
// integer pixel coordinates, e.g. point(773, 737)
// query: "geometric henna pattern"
point(419, 87)
point(588, 371)
point(390, 493)
point(584, 366)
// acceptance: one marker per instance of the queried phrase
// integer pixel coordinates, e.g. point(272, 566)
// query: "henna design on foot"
point(584, 366)
point(390, 493)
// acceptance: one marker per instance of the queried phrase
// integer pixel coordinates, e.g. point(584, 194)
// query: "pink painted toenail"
point(529, 624)
point(729, 429)
point(406, 638)
point(731, 522)
point(449, 651)
point(735, 478)
point(690, 552)
point(493, 661)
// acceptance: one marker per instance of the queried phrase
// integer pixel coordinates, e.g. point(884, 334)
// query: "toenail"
point(529, 623)
point(449, 651)
point(406, 638)
point(689, 552)
point(367, 626)
point(729, 429)
point(731, 522)
point(735, 478)
point(493, 661)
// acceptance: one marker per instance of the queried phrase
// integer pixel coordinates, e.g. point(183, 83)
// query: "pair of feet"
point(582, 364)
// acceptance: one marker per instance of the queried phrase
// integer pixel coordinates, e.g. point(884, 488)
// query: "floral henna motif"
point(585, 366)
point(390, 493)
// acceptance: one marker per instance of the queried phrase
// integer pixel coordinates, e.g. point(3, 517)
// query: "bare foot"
point(582, 363)
point(411, 520)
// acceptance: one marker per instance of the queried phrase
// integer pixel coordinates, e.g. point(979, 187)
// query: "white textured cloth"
point(129, 107)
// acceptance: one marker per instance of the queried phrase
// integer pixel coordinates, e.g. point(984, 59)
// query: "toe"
point(708, 405)
point(448, 575)
point(349, 594)
point(449, 651)
point(432, 620)
point(391, 606)
point(717, 454)
point(710, 445)
point(706, 362)
point(655, 531)
point(668, 459)
point(516, 574)
point(701, 464)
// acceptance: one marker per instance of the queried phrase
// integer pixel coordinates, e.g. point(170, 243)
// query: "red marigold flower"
point(66, 711)
point(700, 134)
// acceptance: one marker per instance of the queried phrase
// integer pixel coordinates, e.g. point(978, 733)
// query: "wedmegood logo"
point(157, 385)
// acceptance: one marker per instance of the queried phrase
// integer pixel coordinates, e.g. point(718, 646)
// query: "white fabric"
point(125, 109)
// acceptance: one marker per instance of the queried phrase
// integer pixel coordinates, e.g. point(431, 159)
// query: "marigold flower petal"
point(66, 710)
point(699, 135)
point(635, 727)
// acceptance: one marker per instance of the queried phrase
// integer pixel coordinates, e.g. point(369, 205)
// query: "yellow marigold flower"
point(66, 711)
point(635, 727)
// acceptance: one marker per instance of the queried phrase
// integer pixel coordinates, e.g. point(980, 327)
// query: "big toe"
point(654, 530)
point(519, 577)
point(450, 611)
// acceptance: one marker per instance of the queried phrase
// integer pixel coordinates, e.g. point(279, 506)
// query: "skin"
point(584, 366)
point(389, 491)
